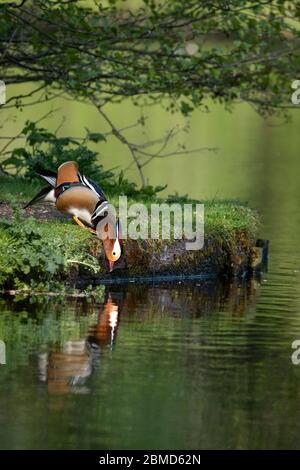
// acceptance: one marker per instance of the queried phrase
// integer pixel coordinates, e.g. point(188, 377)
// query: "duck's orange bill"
point(111, 265)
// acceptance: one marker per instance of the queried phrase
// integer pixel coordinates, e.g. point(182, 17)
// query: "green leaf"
point(186, 108)
point(96, 137)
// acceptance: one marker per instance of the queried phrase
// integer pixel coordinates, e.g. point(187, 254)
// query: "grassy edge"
point(48, 255)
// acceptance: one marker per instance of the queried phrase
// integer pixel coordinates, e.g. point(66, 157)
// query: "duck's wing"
point(93, 186)
point(45, 195)
point(49, 176)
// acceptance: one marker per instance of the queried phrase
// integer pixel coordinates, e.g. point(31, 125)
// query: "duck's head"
point(110, 233)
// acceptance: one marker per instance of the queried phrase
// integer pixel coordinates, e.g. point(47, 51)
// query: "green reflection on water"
point(186, 366)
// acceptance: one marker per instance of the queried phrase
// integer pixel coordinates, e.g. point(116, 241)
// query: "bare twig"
point(120, 136)
point(140, 151)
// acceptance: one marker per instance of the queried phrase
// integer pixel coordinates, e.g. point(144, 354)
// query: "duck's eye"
point(114, 253)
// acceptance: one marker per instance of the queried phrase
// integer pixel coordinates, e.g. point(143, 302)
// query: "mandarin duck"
point(79, 196)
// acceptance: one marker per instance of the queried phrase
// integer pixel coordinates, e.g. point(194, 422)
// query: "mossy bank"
point(41, 251)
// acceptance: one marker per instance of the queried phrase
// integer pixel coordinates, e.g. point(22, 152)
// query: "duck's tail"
point(49, 176)
point(46, 194)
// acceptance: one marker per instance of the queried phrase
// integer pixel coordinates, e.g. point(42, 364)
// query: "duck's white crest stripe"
point(117, 248)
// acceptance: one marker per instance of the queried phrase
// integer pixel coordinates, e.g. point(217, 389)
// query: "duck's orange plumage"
point(67, 172)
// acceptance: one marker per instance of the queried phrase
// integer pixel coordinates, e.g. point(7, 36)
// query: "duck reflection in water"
point(67, 369)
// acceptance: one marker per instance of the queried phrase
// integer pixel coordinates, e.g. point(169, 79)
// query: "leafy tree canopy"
point(184, 50)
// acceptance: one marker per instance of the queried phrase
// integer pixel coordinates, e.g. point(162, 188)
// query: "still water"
point(185, 365)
